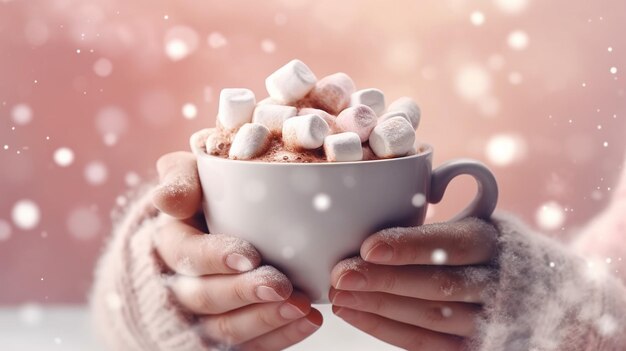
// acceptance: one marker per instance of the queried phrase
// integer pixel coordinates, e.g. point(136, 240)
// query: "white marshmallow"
point(236, 106)
point(268, 101)
point(408, 106)
point(330, 119)
point(343, 147)
point(305, 132)
point(392, 138)
point(273, 116)
point(291, 82)
point(251, 140)
point(373, 98)
point(359, 119)
point(332, 93)
point(393, 114)
point(215, 143)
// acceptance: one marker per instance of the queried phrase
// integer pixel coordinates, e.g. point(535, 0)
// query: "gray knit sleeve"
point(547, 298)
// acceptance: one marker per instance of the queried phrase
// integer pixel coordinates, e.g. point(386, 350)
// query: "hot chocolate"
point(305, 120)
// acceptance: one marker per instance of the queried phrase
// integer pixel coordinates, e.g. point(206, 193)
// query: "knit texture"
point(132, 309)
point(547, 298)
point(544, 296)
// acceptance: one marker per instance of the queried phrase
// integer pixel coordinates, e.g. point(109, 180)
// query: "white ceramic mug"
point(305, 217)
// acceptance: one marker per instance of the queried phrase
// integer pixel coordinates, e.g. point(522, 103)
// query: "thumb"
point(179, 193)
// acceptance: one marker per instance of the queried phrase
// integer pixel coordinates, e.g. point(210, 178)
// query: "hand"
point(419, 288)
point(217, 277)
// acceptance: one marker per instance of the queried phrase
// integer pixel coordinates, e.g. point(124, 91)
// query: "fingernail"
point(382, 252)
point(351, 280)
point(344, 298)
point(289, 311)
point(306, 326)
point(266, 293)
point(239, 262)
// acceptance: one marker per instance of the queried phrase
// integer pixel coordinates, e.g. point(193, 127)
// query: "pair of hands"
point(393, 291)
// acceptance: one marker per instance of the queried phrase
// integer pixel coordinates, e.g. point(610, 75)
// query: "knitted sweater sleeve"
point(131, 307)
point(546, 297)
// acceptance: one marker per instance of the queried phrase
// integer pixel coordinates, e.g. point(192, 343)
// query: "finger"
point(179, 193)
point(403, 335)
point(221, 293)
point(466, 242)
point(465, 284)
point(456, 318)
point(247, 323)
point(286, 336)
point(187, 250)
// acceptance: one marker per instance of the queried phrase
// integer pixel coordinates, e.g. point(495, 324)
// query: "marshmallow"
point(343, 147)
point(305, 132)
point(291, 82)
point(373, 98)
point(408, 106)
point(198, 139)
point(252, 140)
point(215, 143)
point(332, 93)
point(268, 101)
point(236, 106)
point(393, 114)
point(392, 138)
point(330, 119)
point(273, 116)
point(359, 119)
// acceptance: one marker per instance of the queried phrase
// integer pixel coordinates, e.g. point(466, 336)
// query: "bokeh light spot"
point(25, 214)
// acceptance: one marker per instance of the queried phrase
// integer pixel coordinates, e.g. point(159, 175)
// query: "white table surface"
point(67, 328)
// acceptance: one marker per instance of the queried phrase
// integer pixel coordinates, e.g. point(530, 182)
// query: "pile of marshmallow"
point(310, 114)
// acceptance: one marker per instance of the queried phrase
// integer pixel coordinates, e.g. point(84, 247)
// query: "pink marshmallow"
point(332, 93)
point(360, 119)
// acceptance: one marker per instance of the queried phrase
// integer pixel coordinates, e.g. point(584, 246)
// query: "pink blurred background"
point(93, 92)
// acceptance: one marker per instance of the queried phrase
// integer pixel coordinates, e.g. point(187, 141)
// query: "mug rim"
point(427, 149)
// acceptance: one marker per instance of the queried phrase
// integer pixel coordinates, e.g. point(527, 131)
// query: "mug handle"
point(486, 198)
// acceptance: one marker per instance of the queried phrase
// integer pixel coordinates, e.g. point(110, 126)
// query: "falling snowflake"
point(132, 179)
point(30, 314)
point(446, 312)
point(63, 156)
point(180, 42)
point(103, 67)
point(511, 6)
point(268, 46)
point(111, 122)
point(439, 256)
point(190, 111)
point(418, 200)
point(21, 114)
point(505, 149)
point(550, 216)
point(25, 214)
point(613, 70)
point(517, 40)
point(477, 18)
point(472, 82)
point(321, 202)
point(96, 173)
point(606, 325)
